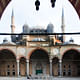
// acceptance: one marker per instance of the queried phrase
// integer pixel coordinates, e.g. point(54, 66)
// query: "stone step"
point(25, 78)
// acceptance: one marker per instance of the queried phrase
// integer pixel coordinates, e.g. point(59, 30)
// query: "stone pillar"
point(50, 67)
point(27, 65)
point(60, 67)
point(18, 67)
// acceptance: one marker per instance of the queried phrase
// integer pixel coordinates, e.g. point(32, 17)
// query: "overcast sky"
point(25, 12)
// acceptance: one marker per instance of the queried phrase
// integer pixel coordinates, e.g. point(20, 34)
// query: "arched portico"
point(39, 62)
point(8, 65)
point(71, 63)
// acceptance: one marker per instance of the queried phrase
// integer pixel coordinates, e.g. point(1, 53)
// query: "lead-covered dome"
point(26, 28)
point(50, 28)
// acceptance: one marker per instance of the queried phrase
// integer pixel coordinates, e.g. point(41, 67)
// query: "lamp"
point(53, 3)
point(37, 4)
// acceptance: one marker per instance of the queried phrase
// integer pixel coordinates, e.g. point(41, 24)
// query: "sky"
point(25, 13)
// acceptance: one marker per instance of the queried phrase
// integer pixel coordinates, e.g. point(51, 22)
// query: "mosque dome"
point(71, 40)
point(6, 42)
point(50, 28)
point(26, 28)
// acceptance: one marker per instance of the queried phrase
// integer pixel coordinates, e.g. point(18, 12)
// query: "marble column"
point(27, 65)
point(50, 67)
point(18, 68)
point(60, 67)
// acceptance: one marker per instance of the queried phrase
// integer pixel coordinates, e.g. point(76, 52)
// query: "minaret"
point(63, 25)
point(12, 23)
point(13, 37)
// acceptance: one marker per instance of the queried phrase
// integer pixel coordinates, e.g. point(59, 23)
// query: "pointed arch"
point(29, 54)
point(71, 62)
point(70, 49)
point(8, 65)
point(7, 49)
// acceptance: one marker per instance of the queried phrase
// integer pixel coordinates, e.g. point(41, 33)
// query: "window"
point(64, 73)
point(58, 72)
point(8, 66)
point(13, 72)
point(8, 73)
point(78, 70)
point(69, 66)
point(69, 72)
point(13, 66)
point(64, 66)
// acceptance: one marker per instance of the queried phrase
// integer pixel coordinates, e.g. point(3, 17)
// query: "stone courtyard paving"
point(24, 78)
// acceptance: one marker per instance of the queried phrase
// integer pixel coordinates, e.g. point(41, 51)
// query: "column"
point(60, 67)
point(18, 67)
point(50, 67)
point(27, 65)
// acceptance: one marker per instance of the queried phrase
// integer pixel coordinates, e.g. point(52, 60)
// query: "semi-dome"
point(26, 28)
point(50, 28)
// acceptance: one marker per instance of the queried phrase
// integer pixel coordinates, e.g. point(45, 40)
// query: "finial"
point(12, 12)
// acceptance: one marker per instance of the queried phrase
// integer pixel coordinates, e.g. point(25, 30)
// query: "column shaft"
point(27, 66)
point(60, 67)
point(50, 67)
point(18, 67)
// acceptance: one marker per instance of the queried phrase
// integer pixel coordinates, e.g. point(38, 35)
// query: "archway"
point(39, 62)
point(55, 66)
point(22, 66)
point(71, 63)
point(4, 4)
point(8, 65)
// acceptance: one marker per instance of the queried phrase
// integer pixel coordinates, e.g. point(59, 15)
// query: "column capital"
point(18, 60)
point(60, 60)
point(50, 60)
point(27, 60)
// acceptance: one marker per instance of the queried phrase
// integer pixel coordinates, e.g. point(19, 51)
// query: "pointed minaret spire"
point(63, 25)
point(13, 37)
point(12, 22)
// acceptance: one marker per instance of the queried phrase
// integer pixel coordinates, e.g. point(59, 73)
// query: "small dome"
point(71, 40)
point(6, 42)
point(25, 25)
point(26, 28)
point(50, 25)
point(50, 28)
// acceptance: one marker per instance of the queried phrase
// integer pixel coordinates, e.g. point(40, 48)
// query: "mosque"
point(36, 55)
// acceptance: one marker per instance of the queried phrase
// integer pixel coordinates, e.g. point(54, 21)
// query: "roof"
point(38, 39)
point(8, 43)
